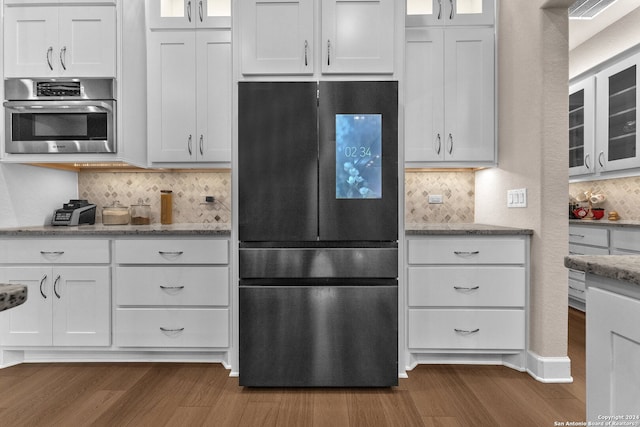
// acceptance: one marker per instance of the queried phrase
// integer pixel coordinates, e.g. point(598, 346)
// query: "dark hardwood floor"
point(153, 394)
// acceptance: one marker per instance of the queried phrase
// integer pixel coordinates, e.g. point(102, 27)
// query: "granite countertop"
point(418, 229)
point(120, 230)
point(12, 295)
point(602, 222)
point(618, 267)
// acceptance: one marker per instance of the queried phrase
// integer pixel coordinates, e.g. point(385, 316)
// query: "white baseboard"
point(549, 369)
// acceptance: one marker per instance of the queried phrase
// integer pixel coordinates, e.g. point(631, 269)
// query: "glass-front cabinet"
point(617, 113)
point(189, 13)
point(581, 127)
point(450, 12)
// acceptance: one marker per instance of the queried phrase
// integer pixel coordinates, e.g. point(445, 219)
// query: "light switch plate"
point(517, 198)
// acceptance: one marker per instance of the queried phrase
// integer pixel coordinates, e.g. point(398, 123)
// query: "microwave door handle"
point(94, 108)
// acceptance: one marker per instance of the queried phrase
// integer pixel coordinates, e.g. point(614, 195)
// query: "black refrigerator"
point(318, 231)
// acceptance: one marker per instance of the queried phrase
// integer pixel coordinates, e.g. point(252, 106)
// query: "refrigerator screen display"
point(358, 156)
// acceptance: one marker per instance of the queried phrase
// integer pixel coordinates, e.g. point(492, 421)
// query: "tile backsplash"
point(189, 188)
point(458, 194)
point(621, 195)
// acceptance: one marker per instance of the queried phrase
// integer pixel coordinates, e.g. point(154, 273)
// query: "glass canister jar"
point(140, 213)
point(116, 214)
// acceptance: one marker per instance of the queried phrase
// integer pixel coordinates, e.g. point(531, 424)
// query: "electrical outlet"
point(435, 198)
point(517, 198)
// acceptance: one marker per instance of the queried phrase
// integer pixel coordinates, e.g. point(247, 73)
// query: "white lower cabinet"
point(467, 296)
point(584, 240)
point(613, 350)
point(67, 305)
point(172, 293)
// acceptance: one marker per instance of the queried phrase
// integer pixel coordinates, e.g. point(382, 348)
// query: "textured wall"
point(189, 189)
point(615, 39)
point(532, 123)
point(622, 195)
point(457, 190)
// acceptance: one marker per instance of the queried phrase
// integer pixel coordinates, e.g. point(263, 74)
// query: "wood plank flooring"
point(154, 394)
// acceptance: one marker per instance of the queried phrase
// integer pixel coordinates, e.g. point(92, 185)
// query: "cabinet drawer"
point(176, 286)
point(587, 250)
point(577, 289)
point(54, 251)
point(466, 250)
point(166, 251)
point(576, 275)
point(625, 239)
point(593, 236)
point(467, 286)
point(466, 329)
point(172, 327)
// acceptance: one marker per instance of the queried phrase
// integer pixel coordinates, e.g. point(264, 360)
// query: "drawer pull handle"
point(171, 287)
point(171, 253)
point(466, 332)
point(464, 253)
point(171, 330)
point(55, 286)
point(575, 253)
point(462, 288)
point(576, 289)
point(41, 284)
point(577, 235)
point(52, 252)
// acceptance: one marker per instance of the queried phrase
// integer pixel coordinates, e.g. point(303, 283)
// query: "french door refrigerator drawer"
point(319, 336)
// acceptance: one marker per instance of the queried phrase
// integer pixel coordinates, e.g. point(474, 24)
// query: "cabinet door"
point(214, 108)
point(171, 97)
point(87, 41)
point(277, 36)
point(450, 12)
point(81, 306)
point(469, 95)
point(30, 323)
point(189, 13)
point(582, 127)
point(358, 36)
point(424, 95)
point(613, 353)
point(30, 41)
point(617, 115)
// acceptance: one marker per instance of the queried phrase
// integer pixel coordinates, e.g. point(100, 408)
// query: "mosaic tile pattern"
point(102, 188)
point(457, 190)
point(622, 195)
point(189, 189)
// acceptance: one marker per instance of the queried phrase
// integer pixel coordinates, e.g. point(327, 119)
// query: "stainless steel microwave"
point(60, 116)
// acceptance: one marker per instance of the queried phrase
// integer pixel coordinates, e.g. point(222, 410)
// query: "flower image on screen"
point(358, 156)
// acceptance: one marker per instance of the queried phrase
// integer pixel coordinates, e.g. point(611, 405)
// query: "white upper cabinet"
point(51, 41)
point(449, 96)
point(189, 13)
point(582, 127)
point(617, 100)
point(356, 37)
point(189, 101)
point(450, 12)
point(277, 36)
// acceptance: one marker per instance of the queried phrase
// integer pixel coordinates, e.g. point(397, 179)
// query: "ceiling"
point(581, 30)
